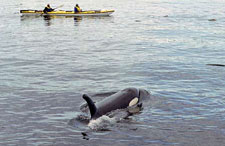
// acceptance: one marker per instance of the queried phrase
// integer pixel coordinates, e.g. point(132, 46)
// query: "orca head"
point(144, 94)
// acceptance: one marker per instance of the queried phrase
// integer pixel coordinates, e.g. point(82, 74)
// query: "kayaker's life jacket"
point(77, 9)
point(48, 9)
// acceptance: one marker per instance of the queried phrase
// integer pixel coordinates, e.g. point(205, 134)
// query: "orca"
point(216, 65)
point(123, 99)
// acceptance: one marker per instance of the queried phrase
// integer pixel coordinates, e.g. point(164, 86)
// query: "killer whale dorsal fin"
point(91, 105)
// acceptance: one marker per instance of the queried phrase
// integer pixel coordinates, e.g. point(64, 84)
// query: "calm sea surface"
point(163, 46)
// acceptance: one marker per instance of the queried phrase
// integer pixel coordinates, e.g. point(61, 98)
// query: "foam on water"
point(101, 123)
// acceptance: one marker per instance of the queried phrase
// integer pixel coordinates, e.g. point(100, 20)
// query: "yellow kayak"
point(67, 13)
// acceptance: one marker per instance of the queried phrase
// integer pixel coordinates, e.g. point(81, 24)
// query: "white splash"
point(101, 123)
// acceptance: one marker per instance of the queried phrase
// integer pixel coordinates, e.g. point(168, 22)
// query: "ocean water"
point(163, 46)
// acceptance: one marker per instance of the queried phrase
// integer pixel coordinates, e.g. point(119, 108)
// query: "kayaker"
point(48, 9)
point(77, 8)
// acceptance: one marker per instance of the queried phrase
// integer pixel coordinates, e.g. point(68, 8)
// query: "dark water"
point(163, 46)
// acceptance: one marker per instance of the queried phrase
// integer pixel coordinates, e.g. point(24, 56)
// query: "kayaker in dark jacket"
point(48, 9)
point(77, 8)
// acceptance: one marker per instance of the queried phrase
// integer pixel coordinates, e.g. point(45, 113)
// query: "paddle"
point(59, 6)
point(55, 8)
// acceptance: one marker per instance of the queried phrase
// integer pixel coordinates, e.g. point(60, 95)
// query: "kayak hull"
point(66, 13)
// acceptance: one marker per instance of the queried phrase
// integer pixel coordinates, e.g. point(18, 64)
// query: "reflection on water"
point(48, 19)
point(24, 18)
point(77, 20)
